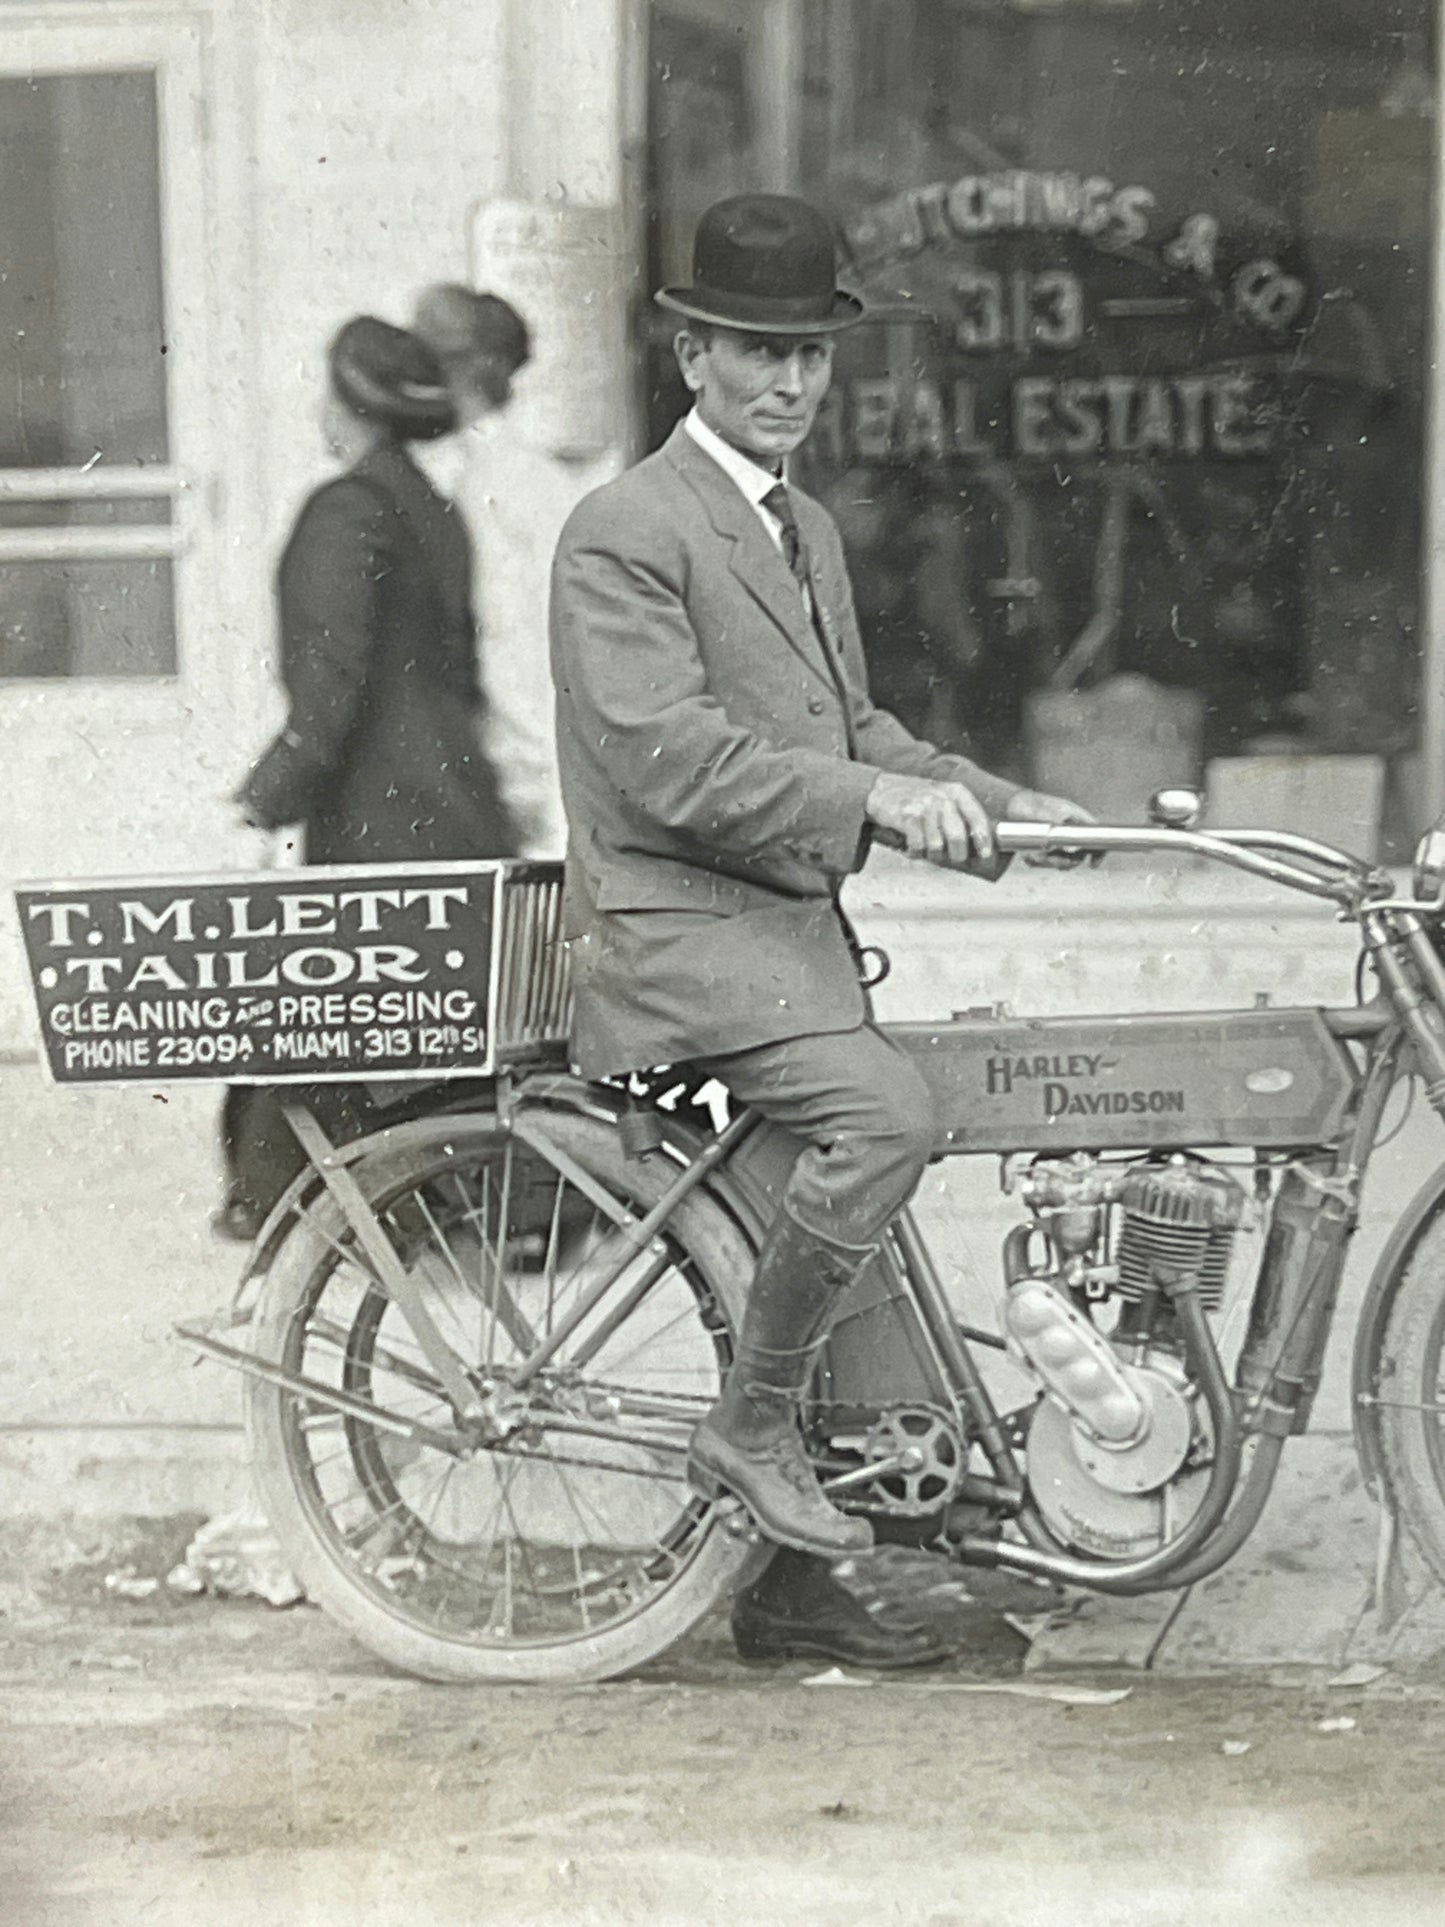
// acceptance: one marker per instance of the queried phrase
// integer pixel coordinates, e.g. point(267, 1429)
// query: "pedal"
point(735, 1519)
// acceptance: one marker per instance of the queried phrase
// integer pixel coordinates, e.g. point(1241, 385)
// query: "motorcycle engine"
point(1118, 1445)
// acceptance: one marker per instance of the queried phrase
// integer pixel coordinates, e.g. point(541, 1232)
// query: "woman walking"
point(380, 759)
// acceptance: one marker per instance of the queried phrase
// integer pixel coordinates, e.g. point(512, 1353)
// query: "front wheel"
point(1411, 1385)
point(569, 1547)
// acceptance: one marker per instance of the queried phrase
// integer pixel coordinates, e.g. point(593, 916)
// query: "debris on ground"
point(1022, 1689)
point(129, 1584)
point(236, 1556)
point(1235, 1749)
point(1362, 1673)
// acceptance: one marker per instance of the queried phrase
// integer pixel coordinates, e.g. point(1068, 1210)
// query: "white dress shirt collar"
point(754, 480)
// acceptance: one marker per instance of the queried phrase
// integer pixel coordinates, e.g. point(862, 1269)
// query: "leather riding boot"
point(749, 1443)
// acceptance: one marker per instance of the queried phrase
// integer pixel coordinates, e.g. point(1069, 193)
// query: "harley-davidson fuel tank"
point(1266, 1078)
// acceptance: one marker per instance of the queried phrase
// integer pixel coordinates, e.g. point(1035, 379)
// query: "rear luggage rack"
point(532, 966)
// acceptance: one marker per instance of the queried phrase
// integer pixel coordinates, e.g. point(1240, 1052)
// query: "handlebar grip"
point(988, 869)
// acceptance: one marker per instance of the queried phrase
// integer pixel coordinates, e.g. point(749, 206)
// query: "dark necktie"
point(779, 503)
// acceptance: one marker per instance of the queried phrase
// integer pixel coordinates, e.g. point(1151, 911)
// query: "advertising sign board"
point(295, 976)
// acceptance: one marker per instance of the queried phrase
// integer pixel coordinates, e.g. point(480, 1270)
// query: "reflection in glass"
point(86, 619)
point(1130, 464)
point(80, 299)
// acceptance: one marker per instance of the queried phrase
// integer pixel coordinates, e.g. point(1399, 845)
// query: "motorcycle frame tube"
point(530, 1126)
point(306, 1185)
point(385, 1261)
point(950, 1344)
point(1351, 1161)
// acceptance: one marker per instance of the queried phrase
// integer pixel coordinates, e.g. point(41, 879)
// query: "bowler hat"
point(387, 376)
point(765, 263)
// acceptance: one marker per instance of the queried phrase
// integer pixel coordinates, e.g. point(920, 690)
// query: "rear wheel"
point(1411, 1382)
point(568, 1546)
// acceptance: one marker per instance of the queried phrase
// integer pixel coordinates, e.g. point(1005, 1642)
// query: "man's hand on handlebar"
point(1037, 806)
point(942, 823)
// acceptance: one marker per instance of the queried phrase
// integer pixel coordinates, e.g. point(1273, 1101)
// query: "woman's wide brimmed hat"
point(765, 263)
point(386, 376)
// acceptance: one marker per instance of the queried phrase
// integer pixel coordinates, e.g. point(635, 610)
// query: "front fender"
point(1418, 1216)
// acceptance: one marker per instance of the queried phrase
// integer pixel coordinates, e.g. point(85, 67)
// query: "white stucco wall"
point(379, 124)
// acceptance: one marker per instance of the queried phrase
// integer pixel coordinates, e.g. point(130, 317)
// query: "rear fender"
point(739, 1188)
point(308, 1185)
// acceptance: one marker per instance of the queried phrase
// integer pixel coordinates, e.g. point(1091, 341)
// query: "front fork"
point(1412, 975)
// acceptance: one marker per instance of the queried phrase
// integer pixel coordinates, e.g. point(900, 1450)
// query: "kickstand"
point(1389, 1593)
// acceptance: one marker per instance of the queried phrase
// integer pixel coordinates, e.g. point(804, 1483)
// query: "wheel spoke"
point(499, 1249)
point(687, 1312)
point(513, 1319)
point(578, 1519)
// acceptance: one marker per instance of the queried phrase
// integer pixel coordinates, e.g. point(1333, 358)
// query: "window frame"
point(170, 43)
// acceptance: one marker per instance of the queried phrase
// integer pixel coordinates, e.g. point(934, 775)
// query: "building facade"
point(206, 189)
point(1132, 465)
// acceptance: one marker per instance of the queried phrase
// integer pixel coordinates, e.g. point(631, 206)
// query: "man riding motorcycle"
point(723, 771)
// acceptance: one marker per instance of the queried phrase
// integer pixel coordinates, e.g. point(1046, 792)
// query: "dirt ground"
point(178, 1762)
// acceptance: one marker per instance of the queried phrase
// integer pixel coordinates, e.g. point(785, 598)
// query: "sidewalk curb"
point(1297, 1594)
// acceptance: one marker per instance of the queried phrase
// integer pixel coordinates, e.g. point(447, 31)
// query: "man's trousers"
point(866, 1118)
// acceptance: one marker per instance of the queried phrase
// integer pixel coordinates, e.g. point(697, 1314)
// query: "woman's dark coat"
point(379, 757)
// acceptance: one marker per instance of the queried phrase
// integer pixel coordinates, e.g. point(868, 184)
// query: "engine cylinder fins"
point(1185, 1195)
point(1145, 1249)
point(1074, 1361)
point(1178, 1219)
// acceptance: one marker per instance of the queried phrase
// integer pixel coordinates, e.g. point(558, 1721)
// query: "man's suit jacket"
point(716, 756)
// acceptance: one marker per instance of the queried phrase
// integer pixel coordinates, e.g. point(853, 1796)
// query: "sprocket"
point(928, 1439)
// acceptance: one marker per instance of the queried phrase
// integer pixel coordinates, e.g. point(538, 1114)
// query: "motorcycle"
point(477, 1339)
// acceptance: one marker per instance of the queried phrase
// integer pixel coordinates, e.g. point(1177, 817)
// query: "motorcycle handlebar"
point(1338, 876)
point(1241, 849)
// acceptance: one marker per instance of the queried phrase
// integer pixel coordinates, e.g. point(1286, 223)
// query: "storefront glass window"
point(86, 532)
point(1129, 463)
